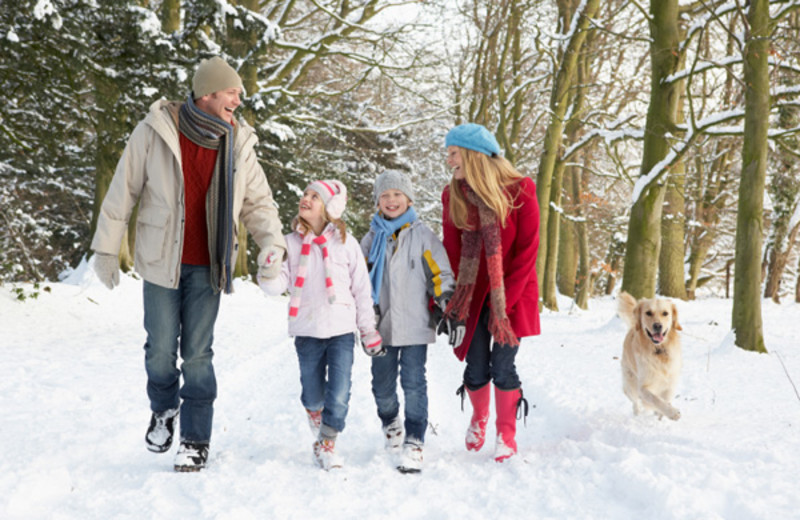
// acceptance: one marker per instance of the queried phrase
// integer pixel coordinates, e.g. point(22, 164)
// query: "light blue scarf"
point(384, 229)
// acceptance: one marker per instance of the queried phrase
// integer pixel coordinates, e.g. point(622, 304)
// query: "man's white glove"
point(269, 262)
point(106, 267)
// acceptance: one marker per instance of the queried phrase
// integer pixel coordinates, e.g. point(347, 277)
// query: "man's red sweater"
point(198, 168)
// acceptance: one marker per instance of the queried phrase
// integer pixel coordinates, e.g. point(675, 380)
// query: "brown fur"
point(651, 364)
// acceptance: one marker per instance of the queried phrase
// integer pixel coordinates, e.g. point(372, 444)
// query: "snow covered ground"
point(73, 414)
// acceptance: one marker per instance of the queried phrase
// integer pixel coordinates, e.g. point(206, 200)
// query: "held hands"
point(372, 344)
point(269, 262)
point(106, 267)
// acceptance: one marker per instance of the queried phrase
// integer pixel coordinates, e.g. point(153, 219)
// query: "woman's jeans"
point(410, 361)
point(488, 361)
point(182, 320)
point(331, 357)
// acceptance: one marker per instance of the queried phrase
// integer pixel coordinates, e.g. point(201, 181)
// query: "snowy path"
point(74, 413)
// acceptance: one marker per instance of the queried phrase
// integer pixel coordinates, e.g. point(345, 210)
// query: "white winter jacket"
point(150, 172)
point(416, 269)
point(351, 312)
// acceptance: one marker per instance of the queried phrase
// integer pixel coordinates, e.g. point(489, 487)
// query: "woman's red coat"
point(520, 242)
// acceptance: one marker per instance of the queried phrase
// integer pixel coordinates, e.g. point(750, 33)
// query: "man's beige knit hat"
point(213, 75)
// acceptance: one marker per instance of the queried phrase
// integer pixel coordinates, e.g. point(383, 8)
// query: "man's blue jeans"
point(182, 321)
point(488, 360)
point(326, 365)
point(410, 361)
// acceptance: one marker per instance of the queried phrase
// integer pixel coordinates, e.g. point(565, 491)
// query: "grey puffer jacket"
point(416, 269)
point(150, 173)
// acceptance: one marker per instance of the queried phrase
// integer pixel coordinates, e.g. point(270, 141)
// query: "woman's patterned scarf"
point(215, 134)
point(302, 270)
point(483, 230)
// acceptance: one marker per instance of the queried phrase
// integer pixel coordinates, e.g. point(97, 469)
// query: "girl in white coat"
point(330, 301)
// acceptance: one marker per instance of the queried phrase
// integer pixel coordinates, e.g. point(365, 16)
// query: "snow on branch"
point(703, 66)
point(710, 125)
point(610, 135)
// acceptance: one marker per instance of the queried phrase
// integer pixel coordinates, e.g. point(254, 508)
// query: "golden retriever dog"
point(651, 355)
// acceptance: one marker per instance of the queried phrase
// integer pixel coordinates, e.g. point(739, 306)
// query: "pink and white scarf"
point(302, 269)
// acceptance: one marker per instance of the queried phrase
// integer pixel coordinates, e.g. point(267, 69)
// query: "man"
point(192, 168)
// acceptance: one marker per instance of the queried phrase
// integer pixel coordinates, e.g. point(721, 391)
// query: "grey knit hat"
point(213, 75)
point(393, 180)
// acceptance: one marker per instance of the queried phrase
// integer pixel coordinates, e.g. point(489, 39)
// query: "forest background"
point(663, 137)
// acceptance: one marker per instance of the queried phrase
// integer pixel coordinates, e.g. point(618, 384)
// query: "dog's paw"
point(674, 414)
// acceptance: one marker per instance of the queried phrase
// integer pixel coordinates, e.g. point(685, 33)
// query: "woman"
point(491, 234)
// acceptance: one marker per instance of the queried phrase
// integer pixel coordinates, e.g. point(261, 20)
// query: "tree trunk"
point(616, 250)
point(671, 259)
point(746, 316)
point(552, 140)
point(583, 278)
point(170, 16)
point(549, 291)
point(644, 228)
point(567, 267)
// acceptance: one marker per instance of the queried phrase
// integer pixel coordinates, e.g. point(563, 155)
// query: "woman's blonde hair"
point(488, 177)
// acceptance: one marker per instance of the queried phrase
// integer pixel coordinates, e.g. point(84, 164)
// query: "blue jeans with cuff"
point(326, 365)
point(410, 362)
point(181, 321)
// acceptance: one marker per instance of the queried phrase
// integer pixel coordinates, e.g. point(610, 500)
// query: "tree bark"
point(552, 140)
point(567, 268)
point(746, 318)
point(644, 228)
point(549, 290)
point(583, 278)
point(170, 16)
point(671, 258)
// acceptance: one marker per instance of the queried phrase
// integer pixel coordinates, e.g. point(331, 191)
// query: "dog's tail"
point(626, 304)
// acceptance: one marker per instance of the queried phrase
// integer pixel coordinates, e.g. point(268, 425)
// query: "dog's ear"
point(675, 324)
point(637, 314)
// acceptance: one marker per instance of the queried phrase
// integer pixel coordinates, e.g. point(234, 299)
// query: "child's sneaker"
point(162, 427)
point(191, 456)
point(325, 454)
point(393, 434)
point(411, 460)
point(314, 421)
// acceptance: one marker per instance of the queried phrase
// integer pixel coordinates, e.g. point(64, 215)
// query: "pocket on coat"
point(151, 233)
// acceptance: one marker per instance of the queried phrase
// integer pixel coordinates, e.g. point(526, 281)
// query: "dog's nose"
point(657, 327)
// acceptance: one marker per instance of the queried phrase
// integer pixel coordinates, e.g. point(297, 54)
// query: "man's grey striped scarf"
point(213, 133)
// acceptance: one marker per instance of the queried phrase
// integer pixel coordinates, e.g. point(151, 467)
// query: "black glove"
point(454, 328)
